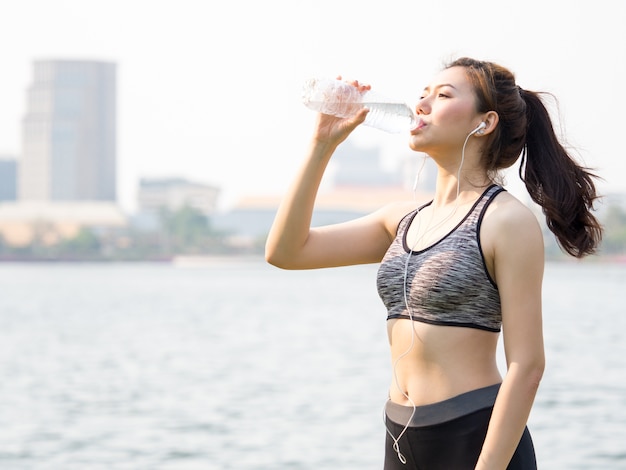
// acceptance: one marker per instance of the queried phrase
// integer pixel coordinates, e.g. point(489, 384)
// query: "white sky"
point(210, 90)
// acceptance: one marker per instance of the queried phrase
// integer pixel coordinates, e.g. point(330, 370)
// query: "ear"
point(491, 120)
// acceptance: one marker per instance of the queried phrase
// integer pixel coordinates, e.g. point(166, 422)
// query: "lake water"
point(238, 365)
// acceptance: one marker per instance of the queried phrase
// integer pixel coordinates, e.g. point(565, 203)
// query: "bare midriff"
point(434, 363)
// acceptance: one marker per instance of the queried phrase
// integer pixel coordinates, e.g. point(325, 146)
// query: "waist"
point(485, 324)
point(443, 411)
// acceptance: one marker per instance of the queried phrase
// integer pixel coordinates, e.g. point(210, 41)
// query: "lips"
point(420, 125)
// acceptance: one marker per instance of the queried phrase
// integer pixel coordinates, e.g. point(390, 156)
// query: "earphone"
point(406, 288)
point(480, 129)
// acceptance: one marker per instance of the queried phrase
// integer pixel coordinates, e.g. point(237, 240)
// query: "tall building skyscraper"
point(8, 171)
point(69, 132)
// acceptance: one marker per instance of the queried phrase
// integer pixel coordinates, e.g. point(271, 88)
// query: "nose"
point(422, 106)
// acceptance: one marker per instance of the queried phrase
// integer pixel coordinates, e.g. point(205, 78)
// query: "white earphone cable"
point(414, 334)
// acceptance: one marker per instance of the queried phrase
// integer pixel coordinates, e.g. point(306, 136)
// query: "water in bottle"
point(341, 99)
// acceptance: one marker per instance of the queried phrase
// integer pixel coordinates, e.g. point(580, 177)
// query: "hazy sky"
point(210, 90)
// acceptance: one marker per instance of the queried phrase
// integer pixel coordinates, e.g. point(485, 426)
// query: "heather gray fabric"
point(447, 283)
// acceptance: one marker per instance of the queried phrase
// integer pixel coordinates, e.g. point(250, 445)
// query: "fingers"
point(361, 86)
point(336, 130)
point(356, 120)
point(361, 115)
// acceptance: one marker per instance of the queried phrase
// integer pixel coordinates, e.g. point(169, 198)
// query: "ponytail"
point(565, 190)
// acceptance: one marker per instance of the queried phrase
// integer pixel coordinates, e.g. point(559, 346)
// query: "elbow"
point(529, 373)
point(274, 260)
point(286, 254)
point(533, 373)
point(271, 257)
point(272, 253)
point(274, 257)
point(283, 261)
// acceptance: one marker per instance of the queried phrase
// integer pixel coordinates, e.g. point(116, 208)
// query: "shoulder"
point(511, 234)
point(392, 214)
point(507, 215)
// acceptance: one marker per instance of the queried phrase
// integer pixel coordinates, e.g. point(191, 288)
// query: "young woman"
point(456, 271)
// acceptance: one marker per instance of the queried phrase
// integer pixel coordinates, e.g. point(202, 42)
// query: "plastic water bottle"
point(341, 99)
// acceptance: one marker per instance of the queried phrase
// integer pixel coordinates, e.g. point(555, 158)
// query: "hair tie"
point(520, 90)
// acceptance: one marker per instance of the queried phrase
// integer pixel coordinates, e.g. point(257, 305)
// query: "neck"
point(450, 190)
point(459, 176)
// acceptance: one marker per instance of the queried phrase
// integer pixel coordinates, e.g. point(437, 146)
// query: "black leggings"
point(454, 444)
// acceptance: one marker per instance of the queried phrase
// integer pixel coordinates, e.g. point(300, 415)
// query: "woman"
point(458, 270)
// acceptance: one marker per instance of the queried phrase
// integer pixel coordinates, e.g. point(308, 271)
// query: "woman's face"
point(446, 113)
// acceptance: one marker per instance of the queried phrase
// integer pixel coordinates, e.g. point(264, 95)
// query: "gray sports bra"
point(448, 282)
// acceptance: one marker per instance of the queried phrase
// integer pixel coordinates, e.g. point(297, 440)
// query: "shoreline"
point(213, 259)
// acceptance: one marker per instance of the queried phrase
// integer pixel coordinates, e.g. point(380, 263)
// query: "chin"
point(413, 145)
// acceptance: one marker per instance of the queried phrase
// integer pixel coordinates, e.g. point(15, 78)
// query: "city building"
point(26, 222)
point(356, 185)
point(175, 193)
point(8, 175)
point(69, 133)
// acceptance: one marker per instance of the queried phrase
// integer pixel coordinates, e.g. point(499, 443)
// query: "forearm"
point(292, 222)
point(509, 417)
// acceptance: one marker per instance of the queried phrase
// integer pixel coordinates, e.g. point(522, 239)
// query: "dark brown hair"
point(564, 189)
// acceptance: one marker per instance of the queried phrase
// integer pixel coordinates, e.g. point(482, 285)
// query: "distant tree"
point(84, 243)
point(614, 240)
point(186, 230)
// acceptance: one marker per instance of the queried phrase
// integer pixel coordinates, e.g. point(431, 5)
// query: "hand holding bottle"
point(346, 99)
point(336, 128)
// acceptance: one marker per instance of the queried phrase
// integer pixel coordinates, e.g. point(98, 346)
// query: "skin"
point(442, 361)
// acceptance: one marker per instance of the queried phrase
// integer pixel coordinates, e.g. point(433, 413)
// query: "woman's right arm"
point(292, 243)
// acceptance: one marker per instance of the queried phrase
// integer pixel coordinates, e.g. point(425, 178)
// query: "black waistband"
point(446, 410)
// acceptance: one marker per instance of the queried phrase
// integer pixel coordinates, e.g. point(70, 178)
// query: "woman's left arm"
point(518, 262)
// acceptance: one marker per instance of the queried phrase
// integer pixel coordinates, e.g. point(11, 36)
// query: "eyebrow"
point(441, 86)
